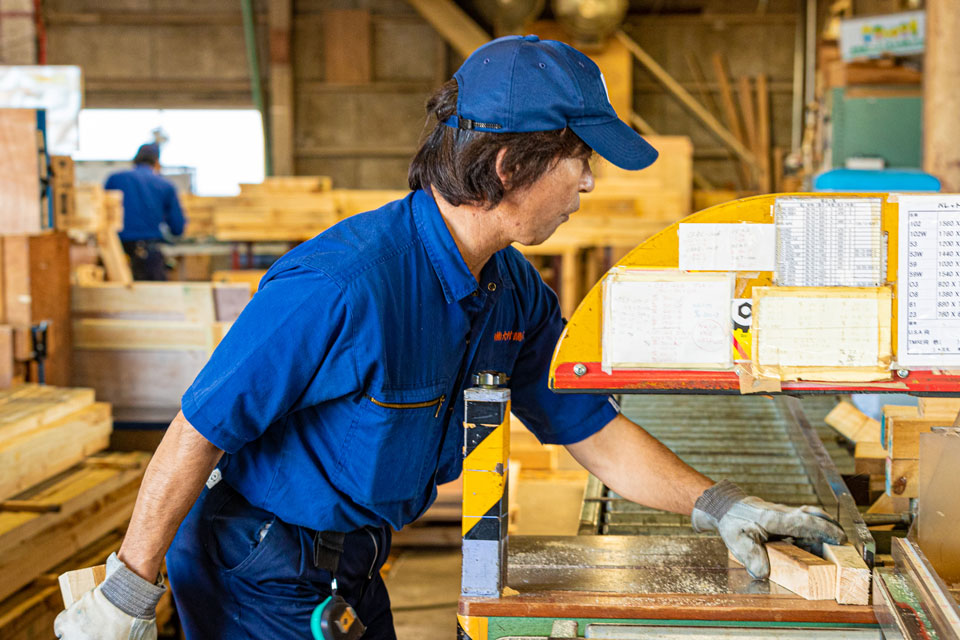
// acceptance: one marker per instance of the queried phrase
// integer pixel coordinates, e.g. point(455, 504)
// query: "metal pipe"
point(256, 86)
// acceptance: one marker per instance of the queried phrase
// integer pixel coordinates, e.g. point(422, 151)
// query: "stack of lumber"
point(95, 209)
point(140, 346)
point(34, 287)
point(99, 215)
point(29, 613)
point(68, 520)
point(902, 427)
point(282, 209)
point(44, 430)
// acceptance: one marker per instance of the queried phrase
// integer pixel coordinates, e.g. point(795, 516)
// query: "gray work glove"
point(123, 607)
point(745, 522)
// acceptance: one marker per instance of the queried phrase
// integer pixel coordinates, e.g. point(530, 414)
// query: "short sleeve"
point(555, 418)
point(290, 348)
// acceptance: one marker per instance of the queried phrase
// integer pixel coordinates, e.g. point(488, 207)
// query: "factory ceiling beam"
point(146, 18)
point(452, 23)
point(280, 19)
point(687, 100)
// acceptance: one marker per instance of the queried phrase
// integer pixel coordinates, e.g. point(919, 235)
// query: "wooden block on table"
point(869, 458)
point(903, 434)
point(939, 407)
point(853, 424)
point(902, 477)
point(249, 277)
point(73, 584)
point(853, 576)
point(801, 572)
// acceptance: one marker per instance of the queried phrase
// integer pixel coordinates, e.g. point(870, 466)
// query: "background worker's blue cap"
point(522, 83)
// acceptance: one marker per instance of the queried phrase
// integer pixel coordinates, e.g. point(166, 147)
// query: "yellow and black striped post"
point(486, 449)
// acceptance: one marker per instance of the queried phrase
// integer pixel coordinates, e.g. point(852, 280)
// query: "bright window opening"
point(223, 146)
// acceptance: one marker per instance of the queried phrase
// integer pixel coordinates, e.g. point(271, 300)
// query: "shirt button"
point(491, 286)
point(475, 294)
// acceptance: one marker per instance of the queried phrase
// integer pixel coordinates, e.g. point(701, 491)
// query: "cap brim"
point(618, 143)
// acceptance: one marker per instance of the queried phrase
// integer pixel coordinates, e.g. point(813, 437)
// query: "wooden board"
point(74, 584)
point(6, 356)
point(853, 424)
point(853, 576)
point(19, 173)
point(139, 379)
point(803, 573)
point(35, 286)
point(91, 499)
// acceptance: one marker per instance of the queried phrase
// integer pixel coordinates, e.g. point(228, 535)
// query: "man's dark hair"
point(461, 165)
point(147, 154)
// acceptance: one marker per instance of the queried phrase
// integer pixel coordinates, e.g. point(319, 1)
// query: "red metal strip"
point(665, 380)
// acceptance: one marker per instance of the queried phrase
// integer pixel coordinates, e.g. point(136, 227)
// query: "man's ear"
point(501, 170)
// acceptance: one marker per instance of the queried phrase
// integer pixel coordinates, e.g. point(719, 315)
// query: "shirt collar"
point(455, 278)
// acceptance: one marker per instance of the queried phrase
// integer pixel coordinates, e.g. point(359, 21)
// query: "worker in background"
point(333, 408)
point(149, 201)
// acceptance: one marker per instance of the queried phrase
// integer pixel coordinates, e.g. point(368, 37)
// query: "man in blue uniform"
point(148, 201)
point(333, 407)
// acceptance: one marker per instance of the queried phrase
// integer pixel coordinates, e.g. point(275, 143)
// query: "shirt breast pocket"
point(395, 438)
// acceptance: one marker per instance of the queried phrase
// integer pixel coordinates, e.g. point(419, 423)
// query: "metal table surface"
point(639, 563)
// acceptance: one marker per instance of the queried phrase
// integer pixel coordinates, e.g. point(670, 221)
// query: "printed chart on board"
point(929, 281)
point(829, 242)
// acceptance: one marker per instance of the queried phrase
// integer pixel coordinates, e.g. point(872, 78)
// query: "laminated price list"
point(829, 242)
point(930, 280)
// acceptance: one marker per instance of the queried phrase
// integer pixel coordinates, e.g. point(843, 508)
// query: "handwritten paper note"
point(667, 319)
point(727, 247)
point(845, 330)
point(929, 281)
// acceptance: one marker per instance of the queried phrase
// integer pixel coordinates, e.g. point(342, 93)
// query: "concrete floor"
point(424, 586)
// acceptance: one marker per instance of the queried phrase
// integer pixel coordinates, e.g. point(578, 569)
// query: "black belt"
point(327, 549)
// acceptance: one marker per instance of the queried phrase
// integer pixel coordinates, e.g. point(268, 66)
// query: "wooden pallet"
point(47, 524)
point(45, 430)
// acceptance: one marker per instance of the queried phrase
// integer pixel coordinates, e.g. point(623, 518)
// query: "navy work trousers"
point(238, 572)
point(146, 260)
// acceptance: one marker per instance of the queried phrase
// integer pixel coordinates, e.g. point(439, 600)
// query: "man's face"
point(534, 213)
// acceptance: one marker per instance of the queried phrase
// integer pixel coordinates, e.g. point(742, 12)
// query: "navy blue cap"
point(522, 83)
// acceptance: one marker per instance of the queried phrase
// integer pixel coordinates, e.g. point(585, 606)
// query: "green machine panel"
point(867, 123)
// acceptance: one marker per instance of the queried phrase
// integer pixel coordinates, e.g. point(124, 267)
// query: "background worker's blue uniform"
point(338, 398)
point(148, 201)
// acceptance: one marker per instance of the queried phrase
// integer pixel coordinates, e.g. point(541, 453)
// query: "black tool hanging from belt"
point(334, 618)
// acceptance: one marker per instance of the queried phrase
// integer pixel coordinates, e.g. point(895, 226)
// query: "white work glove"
point(745, 522)
point(123, 607)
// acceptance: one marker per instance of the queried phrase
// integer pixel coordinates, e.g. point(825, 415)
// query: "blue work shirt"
point(338, 392)
point(148, 200)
